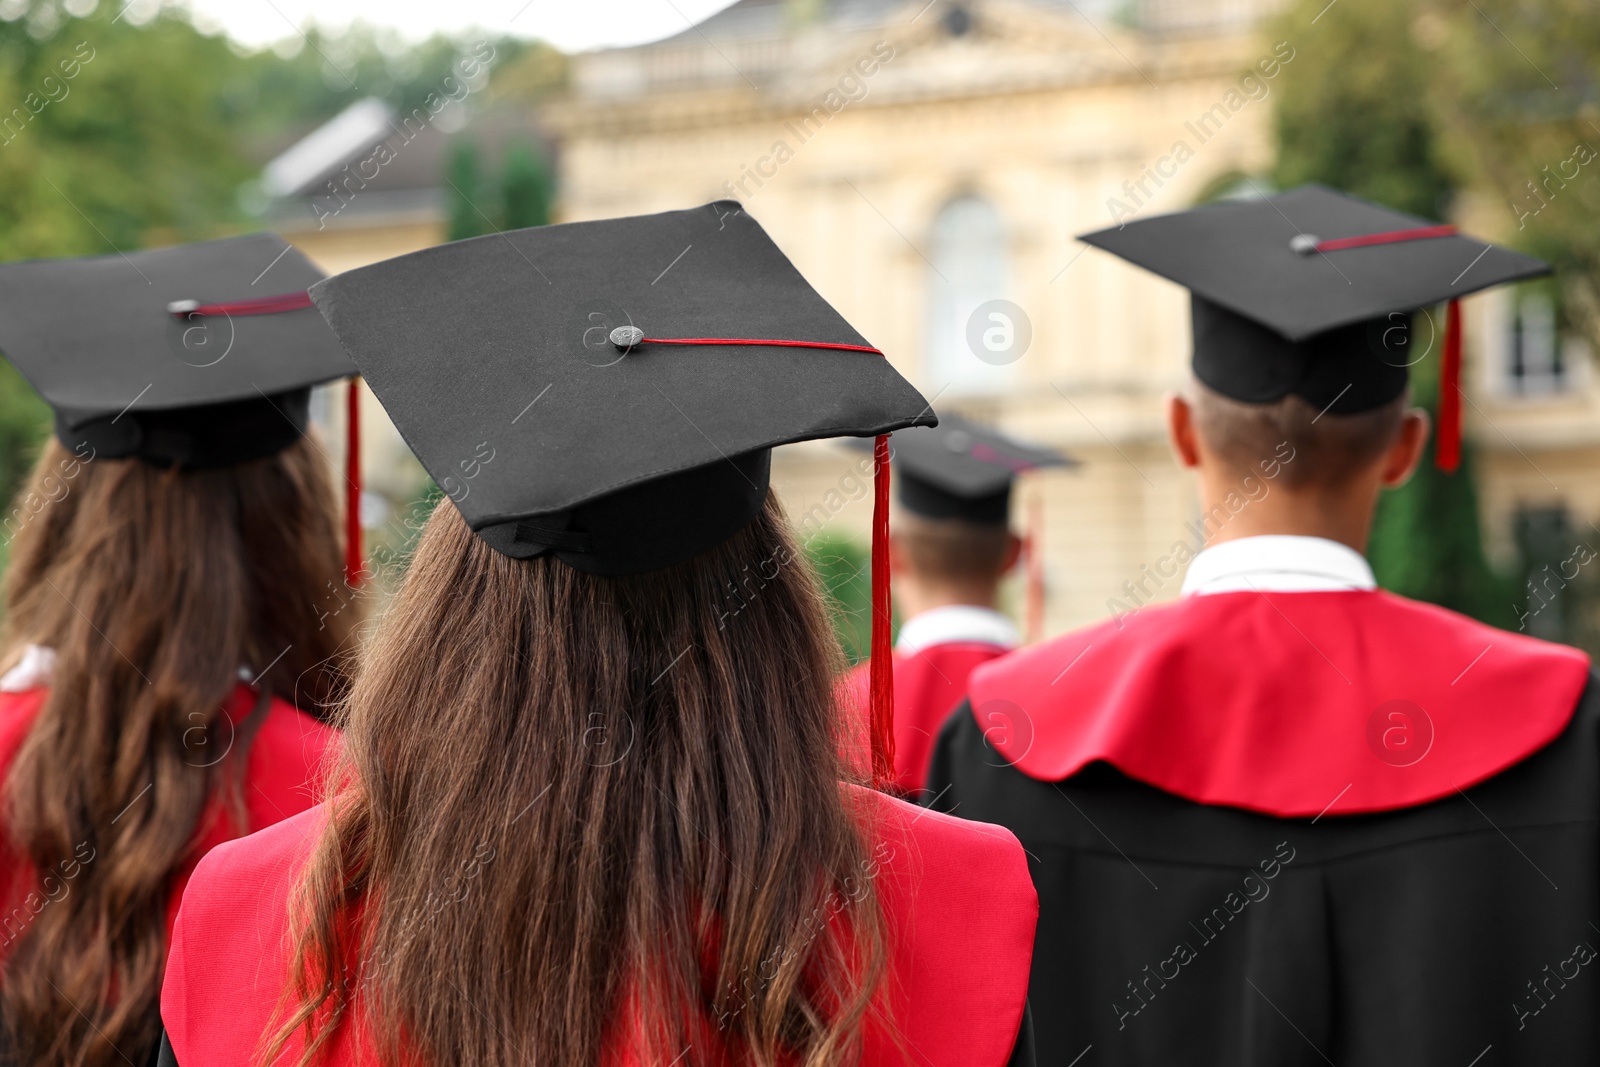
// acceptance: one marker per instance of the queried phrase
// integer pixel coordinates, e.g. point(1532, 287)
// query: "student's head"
point(1318, 468)
point(951, 542)
point(576, 802)
point(949, 561)
point(1308, 308)
point(154, 587)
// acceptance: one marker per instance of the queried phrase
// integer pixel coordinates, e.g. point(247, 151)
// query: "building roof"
point(774, 46)
point(370, 165)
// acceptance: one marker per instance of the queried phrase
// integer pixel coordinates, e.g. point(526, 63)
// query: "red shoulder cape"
point(1283, 703)
point(282, 776)
point(958, 902)
point(928, 686)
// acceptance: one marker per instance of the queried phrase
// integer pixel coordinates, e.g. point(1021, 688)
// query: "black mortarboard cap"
point(1310, 292)
point(609, 391)
point(962, 469)
point(196, 356)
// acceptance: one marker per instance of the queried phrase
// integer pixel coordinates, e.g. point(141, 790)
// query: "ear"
point(1180, 430)
point(1400, 462)
point(1013, 553)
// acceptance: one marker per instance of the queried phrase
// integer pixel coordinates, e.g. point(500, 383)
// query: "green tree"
point(1427, 541)
point(1356, 111)
point(1518, 85)
point(462, 178)
point(117, 134)
point(526, 188)
point(103, 151)
point(843, 570)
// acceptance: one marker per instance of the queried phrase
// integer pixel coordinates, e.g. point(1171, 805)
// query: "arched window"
point(970, 268)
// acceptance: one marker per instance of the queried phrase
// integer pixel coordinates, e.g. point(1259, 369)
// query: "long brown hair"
point(582, 810)
point(153, 587)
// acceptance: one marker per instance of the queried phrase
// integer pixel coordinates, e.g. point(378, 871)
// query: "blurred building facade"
point(926, 163)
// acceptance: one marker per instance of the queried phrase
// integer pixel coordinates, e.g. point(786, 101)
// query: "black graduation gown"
point(1459, 933)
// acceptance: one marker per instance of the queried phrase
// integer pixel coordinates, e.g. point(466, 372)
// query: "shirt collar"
point(1277, 563)
point(36, 668)
point(956, 623)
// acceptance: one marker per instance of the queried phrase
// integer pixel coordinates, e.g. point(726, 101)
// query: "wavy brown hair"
point(154, 587)
point(584, 810)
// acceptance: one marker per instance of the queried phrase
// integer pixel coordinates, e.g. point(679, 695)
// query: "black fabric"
point(1329, 326)
point(1402, 938)
point(95, 338)
point(685, 514)
point(1023, 1053)
point(494, 358)
point(1237, 254)
point(919, 496)
point(217, 435)
point(165, 1057)
point(1346, 370)
point(961, 469)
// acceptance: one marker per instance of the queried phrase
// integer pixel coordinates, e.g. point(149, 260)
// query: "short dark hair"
point(1328, 448)
point(953, 549)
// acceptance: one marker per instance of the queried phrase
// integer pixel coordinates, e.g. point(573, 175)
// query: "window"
point(970, 268)
point(1552, 559)
point(1537, 354)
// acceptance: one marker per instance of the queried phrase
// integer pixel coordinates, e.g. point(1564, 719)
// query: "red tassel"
point(882, 669)
point(264, 305)
point(352, 477)
point(1034, 609)
point(756, 341)
point(1447, 451)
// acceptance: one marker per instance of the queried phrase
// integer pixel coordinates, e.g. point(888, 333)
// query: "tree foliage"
point(1355, 112)
point(462, 192)
point(1518, 90)
point(844, 571)
point(527, 188)
point(130, 127)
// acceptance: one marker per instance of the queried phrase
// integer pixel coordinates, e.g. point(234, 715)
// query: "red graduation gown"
point(1292, 829)
point(957, 899)
point(928, 685)
point(1282, 703)
point(287, 755)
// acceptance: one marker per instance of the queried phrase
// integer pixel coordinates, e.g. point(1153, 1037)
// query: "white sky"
point(571, 25)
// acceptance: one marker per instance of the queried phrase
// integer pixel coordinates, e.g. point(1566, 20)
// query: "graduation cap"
point(197, 356)
point(608, 393)
point(962, 469)
point(1311, 293)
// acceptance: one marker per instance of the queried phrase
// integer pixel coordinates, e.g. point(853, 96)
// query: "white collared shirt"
point(965, 623)
point(35, 669)
point(1280, 563)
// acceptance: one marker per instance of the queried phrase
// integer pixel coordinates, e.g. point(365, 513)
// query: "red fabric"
point(958, 904)
point(282, 772)
point(352, 480)
point(756, 341)
point(1391, 237)
point(1447, 452)
point(928, 685)
point(266, 305)
point(881, 699)
point(1266, 701)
